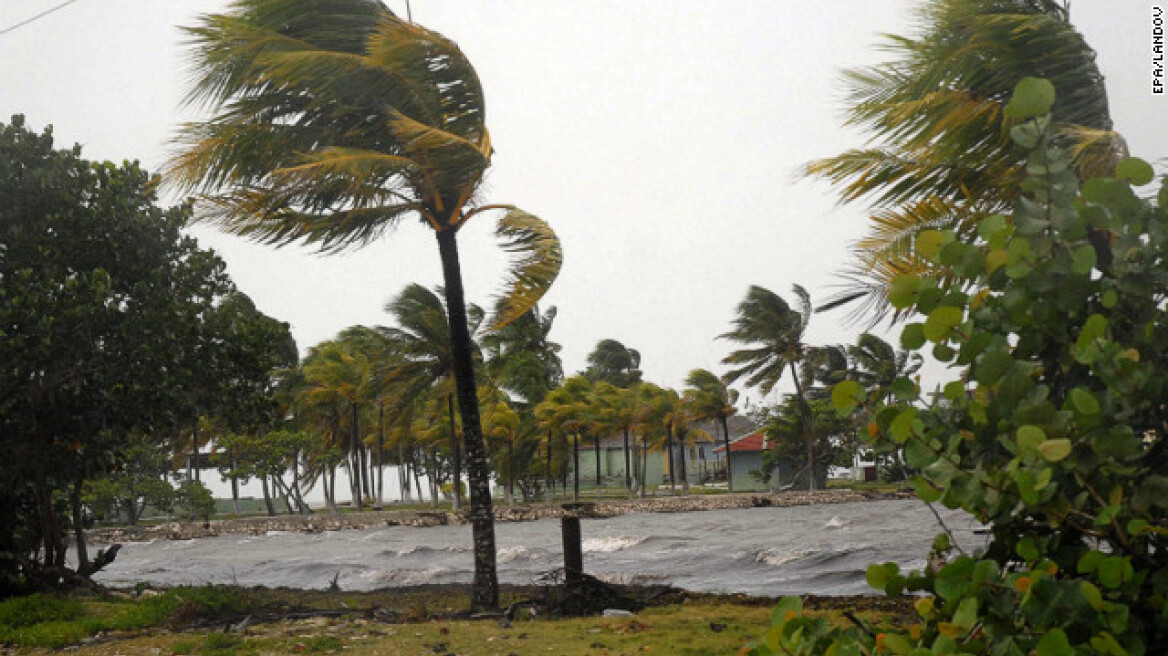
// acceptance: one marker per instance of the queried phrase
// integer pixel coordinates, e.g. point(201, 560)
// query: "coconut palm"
point(876, 365)
point(522, 360)
point(567, 412)
point(713, 400)
point(615, 410)
point(614, 363)
point(773, 332)
point(943, 156)
point(331, 122)
point(423, 357)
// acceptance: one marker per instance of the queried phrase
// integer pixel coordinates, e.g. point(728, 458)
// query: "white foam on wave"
point(611, 544)
point(508, 554)
point(837, 522)
point(776, 558)
point(408, 576)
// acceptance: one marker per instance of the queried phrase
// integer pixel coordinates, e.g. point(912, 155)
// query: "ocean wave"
point(612, 543)
point(392, 577)
point(837, 522)
point(638, 578)
point(508, 554)
point(775, 558)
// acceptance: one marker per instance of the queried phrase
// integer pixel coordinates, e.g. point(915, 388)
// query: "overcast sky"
point(661, 139)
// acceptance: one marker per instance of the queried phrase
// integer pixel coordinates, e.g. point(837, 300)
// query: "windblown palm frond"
point(944, 156)
point(538, 258)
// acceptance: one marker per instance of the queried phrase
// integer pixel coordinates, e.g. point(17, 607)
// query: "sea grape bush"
point(1053, 433)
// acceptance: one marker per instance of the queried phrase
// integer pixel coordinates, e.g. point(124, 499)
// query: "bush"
point(1054, 434)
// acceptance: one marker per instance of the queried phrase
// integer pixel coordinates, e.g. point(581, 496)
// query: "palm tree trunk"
point(485, 587)
point(681, 461)
point(805, 421)
point(551, 483)
point(455, 454)
point(596, 442)
point(267, 496)
point(628, 466)
point(83, 564)
point(726, 443)
point(669, 458)
point(575, 467)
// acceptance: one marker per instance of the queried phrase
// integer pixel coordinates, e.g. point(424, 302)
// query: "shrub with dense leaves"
point(1052, 434)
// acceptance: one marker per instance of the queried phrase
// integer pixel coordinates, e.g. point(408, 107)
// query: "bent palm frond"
point(537, 259)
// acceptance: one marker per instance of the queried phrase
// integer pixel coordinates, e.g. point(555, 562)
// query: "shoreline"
point(323, 521)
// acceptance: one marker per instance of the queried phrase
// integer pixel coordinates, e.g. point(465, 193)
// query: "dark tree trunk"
point(83, 565)
point(575, 467)
point(726, 443)
point(485, 588)
point(628, 466)
point(551, 482)
point(681, 461)
point(511, 472)
point(455, 454)
point(805, 422)
point(355, 468)
point(596, 449)
point(644, 465)
point(669, 458)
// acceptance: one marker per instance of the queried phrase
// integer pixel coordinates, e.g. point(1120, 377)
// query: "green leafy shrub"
point(19, 612)
point(1054, 433)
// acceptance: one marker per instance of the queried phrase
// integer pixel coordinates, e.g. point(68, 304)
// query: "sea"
point(817, 549)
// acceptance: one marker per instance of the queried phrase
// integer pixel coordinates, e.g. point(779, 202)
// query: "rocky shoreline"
point(324, 521)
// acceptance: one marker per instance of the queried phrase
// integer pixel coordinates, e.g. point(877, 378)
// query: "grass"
point(190, 621)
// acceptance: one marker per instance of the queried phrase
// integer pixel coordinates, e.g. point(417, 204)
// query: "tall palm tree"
point(876, 365)
point(334, 120)
point(943, 156)
point(712, 399)
point(773, 332)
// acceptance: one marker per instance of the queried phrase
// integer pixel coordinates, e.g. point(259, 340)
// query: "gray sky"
point(661, 139)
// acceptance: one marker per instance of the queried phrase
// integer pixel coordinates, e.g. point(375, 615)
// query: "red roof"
point(756, 441)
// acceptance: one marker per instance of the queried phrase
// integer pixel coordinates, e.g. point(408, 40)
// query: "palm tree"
point(614, 363)
point(616, 410)
point(876, 365)
point(566, 412)
point(333, 121)
point(944, 157)
point(521, 359)
point(423, 356)
point(773, 332)
point(713, 400)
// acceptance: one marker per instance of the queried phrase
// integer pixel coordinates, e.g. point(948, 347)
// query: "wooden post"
point(573, 542)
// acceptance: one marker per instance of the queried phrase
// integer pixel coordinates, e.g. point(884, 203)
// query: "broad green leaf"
point(1091, 594)
point(930, 242)
point(954, 390)
point(913, 336)
point(1032, 97)
point(1054, 643)
point(903, 291)
point(991, 225)
point(1028, 549)
point(879, 575)
point(1083, 260)
point(1030, 438)
point(846, 395)
point(1055, 450)
point(1135, 170)
point(902, 427)
point(1084, 402)
point(1109, 299)
point(897, 644)
point(925, 489)
point(941, 321)
point(787, 609)
point(966, 615)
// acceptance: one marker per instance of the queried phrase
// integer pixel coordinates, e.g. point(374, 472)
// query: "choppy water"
point(822, 549)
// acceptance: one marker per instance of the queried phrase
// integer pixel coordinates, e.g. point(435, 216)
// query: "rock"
point(616, 612)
